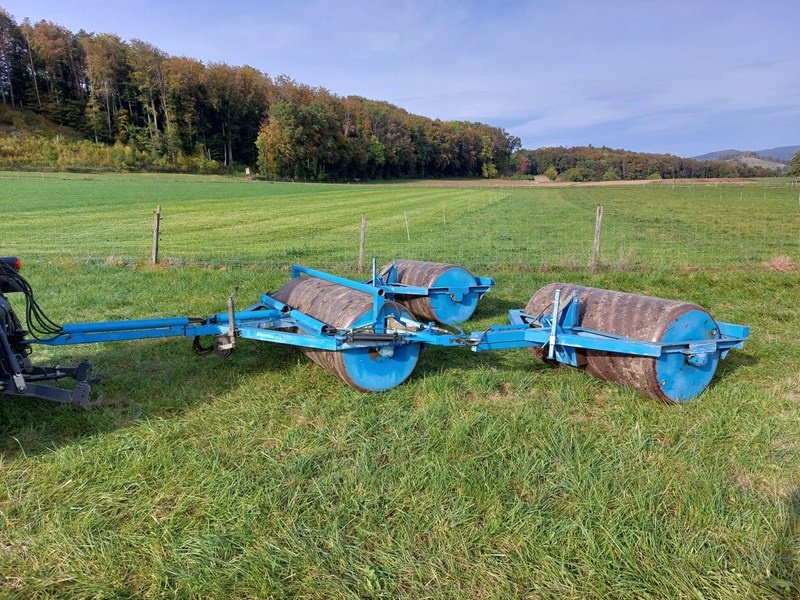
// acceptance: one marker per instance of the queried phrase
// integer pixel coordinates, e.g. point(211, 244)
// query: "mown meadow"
point(485, 475)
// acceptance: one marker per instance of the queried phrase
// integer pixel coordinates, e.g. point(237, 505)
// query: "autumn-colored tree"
point(107, 68)
point(148, 79)
point(277, 141)
point(57, 65)
point(178, 112)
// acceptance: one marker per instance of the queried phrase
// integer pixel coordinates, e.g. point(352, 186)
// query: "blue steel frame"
point(272, 321)
point(561, 333)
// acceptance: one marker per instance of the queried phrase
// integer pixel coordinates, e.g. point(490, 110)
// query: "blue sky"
point(670, 76)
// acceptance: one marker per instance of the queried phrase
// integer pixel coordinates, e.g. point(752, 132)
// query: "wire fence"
point(217, 221)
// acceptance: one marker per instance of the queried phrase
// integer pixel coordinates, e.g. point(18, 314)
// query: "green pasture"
point(485, 475)
point(223, 221)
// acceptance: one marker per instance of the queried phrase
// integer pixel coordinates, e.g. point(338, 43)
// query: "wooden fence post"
point(362, 242)
point(156, 229)
point(598, 225)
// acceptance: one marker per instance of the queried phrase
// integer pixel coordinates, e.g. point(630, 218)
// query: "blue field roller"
point(673, 377)
point(451, 293)
point(370, 334)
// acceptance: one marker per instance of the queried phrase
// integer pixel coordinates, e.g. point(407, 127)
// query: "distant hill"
point(776, 159)
point(589, 163)
point(782, 153)
point(718, 155)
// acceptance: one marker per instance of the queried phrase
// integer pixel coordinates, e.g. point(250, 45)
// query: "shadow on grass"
point(492, 307)
point(139, 381)
point(733, 362)
point(785, 569)
point(736, 360)
point(162, 379)
point(435, 359)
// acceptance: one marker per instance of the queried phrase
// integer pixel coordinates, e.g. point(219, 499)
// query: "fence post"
point(598, 225)
point(156, 228)
point(361, 242)
point(408, 231)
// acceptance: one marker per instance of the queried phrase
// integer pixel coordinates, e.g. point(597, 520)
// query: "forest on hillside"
point(176, 111)
point(138, 108)
point(587, 163)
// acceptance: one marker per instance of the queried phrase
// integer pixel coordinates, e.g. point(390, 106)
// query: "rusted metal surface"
point(640, 317)
point(335, 305)
point(422, 274)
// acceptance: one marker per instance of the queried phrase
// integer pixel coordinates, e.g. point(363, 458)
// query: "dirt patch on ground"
point(781, 264)
point(761, 485)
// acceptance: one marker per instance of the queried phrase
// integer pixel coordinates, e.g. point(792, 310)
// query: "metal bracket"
point(227, 341)
point(79, 396)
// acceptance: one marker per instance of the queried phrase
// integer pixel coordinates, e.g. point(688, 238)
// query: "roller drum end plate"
point(679, 380)
point(367, 370)
point(452, 310)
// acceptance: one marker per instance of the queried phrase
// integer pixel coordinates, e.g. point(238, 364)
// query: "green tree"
point(376, 155)
point(13, 75)
point(171, 112)
point(578, 174)
point(277, 142)
point(794, 166)
point(551, 173)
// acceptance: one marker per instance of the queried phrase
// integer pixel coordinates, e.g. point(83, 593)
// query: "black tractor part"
point(18, 376)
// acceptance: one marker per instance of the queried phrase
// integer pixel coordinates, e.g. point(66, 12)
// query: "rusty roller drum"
point(669, 377)
point(440, 308)
point(361, 368)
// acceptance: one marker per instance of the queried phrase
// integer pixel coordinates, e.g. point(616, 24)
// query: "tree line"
point(172, 107)
point(145, 109)
point(587, 163)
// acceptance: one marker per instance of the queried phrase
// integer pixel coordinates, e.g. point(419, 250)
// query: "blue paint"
point(372, 371)
point(678, 378)
point(105, 326)
point(452, 309)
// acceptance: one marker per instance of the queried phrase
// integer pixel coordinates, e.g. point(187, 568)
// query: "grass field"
point(486, 475)
point(219, 221)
